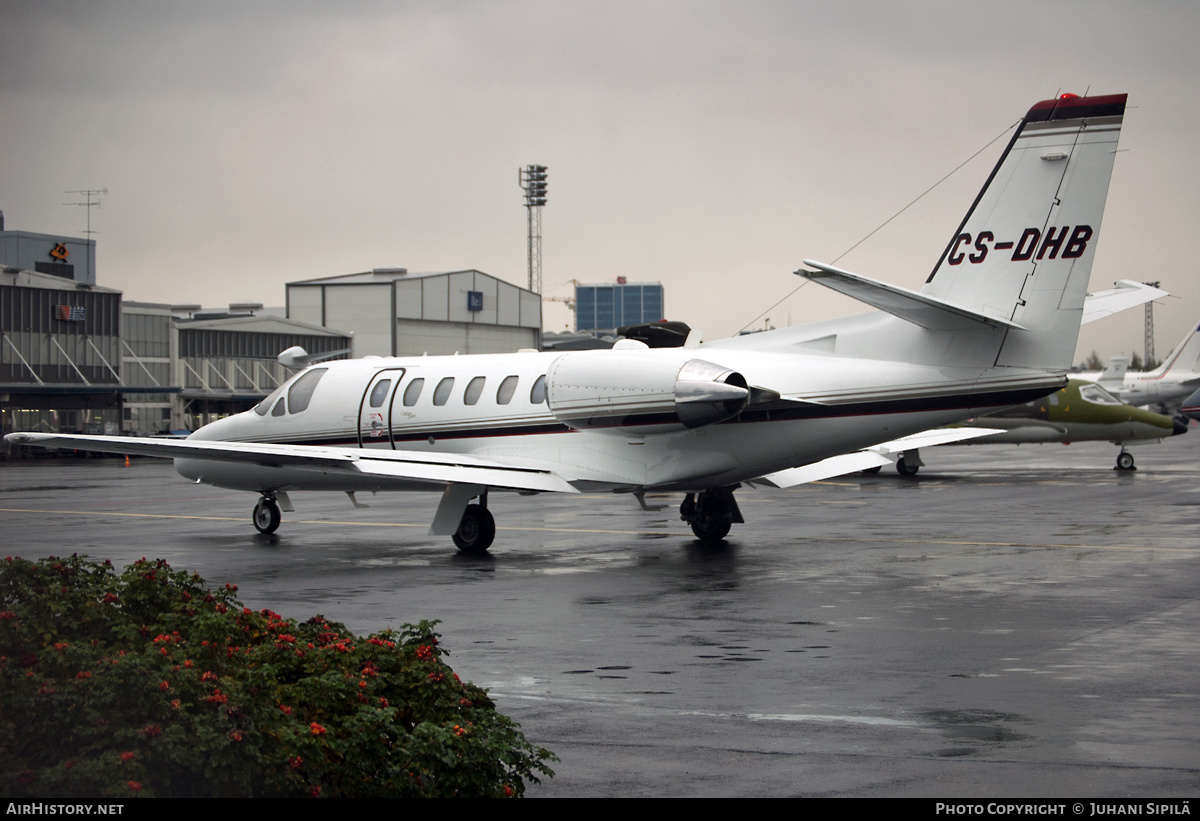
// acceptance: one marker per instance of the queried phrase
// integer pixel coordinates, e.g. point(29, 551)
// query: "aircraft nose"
point(1181, 424)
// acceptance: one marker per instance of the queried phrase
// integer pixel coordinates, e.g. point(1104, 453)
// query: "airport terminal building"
point(78, 357)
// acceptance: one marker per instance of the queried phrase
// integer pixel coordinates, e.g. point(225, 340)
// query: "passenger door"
point(374, 410)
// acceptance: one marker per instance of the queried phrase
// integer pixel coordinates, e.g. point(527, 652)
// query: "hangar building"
point(392, 312)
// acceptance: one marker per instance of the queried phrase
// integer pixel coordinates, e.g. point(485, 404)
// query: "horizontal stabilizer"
point(404, 466)
point(920, 309)
point(1128, 294)
point(877, 456)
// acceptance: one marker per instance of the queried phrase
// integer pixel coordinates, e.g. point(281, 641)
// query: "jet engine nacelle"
point(637, 392)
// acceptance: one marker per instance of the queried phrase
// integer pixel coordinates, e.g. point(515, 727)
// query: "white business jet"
point(994, 326)
point(1165, 387)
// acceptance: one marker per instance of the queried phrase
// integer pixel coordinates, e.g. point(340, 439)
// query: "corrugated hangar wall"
point(456, 312)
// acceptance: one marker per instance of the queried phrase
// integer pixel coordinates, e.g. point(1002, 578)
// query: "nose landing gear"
point(267, 515)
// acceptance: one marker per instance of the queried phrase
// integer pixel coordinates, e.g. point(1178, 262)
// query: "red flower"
point(83, 674)
point(286, 710)
point(297, 763)
point(128, 756)
point(317, 729)
point(164, 685)
point(152, 731)
point(236, 735)
point(133, 785)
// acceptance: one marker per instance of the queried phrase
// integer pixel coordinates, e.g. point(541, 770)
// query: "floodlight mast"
point(1149, 338)
point(532, 179)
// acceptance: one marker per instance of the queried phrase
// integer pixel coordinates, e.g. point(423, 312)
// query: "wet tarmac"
point(1009, 622)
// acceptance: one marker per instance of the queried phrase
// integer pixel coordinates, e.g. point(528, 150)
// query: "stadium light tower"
point(532, 179)
point(1149, 339)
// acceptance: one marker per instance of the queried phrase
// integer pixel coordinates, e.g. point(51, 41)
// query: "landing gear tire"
point(476, 530)
point(267, 516)
point(1125, 461)
point(711, 518)
point(905, 469)
point(870, 471)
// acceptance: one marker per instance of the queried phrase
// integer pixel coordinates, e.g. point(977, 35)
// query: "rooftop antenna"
point(92, 201)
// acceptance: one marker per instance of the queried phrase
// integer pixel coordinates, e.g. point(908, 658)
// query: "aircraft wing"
point(878, 456)
point(1127, 294)
point(434, 468)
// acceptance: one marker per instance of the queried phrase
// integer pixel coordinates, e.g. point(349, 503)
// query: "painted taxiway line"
point(604, 531)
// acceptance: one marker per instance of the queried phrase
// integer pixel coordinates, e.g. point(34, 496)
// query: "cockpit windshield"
point(299, 393)
point(1097, 395)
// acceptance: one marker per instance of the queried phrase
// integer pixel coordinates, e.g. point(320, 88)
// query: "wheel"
point(267, 516)
point(875, 469)
point(905, 469)
point(476, 531)
point(711, 518)
point(1125, 461)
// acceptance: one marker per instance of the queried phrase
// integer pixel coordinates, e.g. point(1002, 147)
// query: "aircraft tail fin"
point(1185, 358)
point(1114, 374)
point(1023, 253)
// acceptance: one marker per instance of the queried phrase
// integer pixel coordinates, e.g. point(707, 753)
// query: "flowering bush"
point(149, 683)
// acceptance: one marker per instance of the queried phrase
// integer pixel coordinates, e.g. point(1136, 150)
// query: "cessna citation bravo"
point(995, 325)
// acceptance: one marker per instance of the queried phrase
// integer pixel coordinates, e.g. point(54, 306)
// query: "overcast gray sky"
point(707, 145)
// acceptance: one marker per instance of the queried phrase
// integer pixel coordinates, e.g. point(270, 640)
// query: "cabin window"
point(380, 392)
point(280, 407)
point(504, 393)
point(1054, 399)
point(302, 389)
point(537, 395)
point(474, 389)
point(413, 392)
point(442, 392)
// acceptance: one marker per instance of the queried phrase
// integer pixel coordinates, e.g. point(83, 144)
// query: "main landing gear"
point(909, 463)
point(711, 513)
point(477, 529)
point(1124, 461)
point(267, 515)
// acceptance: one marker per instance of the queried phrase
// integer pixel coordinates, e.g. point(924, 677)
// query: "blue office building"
point(608, 307)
